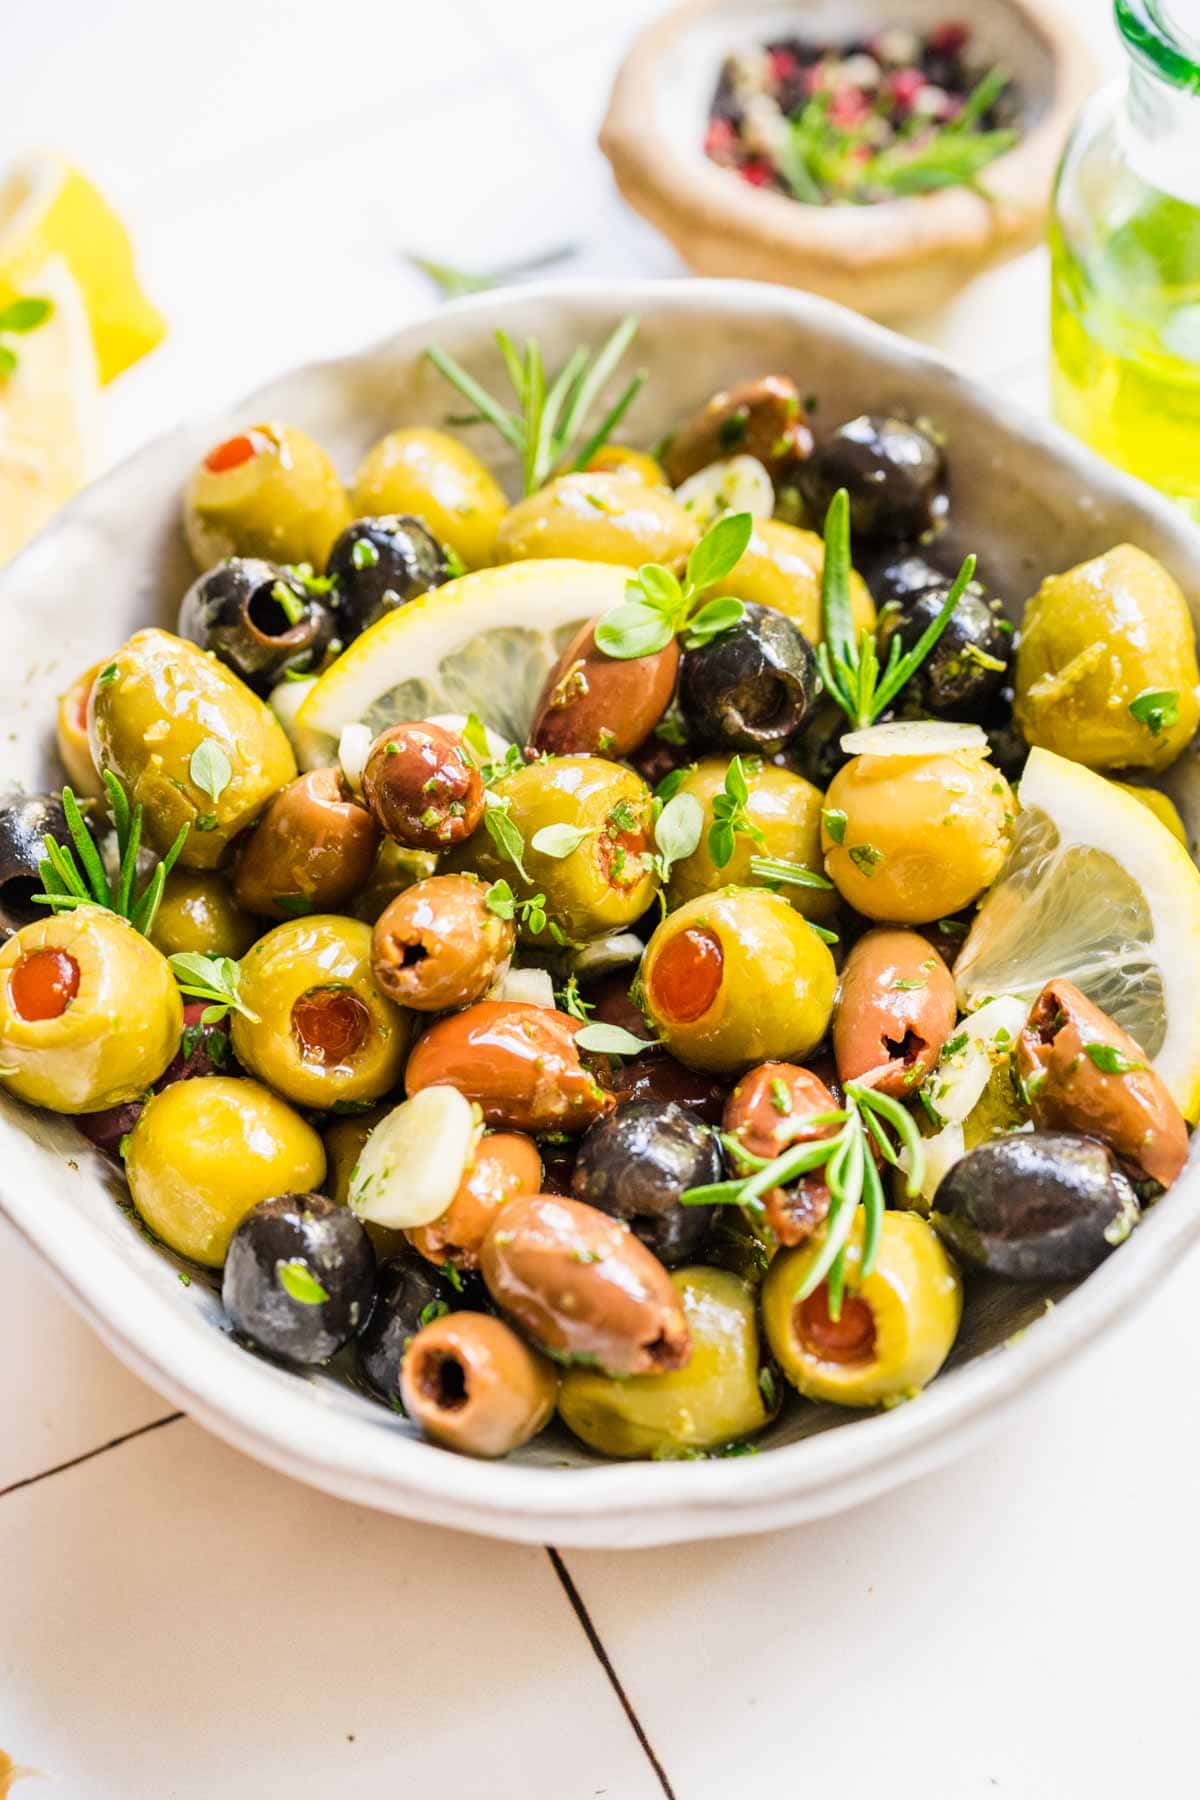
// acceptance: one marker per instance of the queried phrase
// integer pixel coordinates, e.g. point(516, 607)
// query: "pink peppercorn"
point(904, 86)
point(756, 172)
point(849, 107)
point(784, 66)
point(948, 38)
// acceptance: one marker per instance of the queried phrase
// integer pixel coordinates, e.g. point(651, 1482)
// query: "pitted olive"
point(422, 786)
point(763, 418)
point(895, 1010)
point(268, 491)
point(472, 1385)
point(311, 851)
point(602, 705)
point(638, 1161)
point(258, 619)
point(751, 687)
point(439, 945)
point(380, 564)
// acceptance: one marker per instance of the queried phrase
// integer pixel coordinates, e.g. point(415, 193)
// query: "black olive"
point(299, 1277)
point(891, 470)
point(900, 579)
point(962, 675)
point(751, 687)
point(409, 1292)
point(26, 820)
point(380, 564)
point(635, 1164)
point(259, 619)
point(1036, 1206)
point(1009, 750)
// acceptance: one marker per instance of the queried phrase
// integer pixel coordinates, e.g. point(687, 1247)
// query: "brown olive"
point(761, 1114)
point(422, 786)
point(518, 1063)
point(505, 1164)
point(895, 1010)
point(471, 1384)
point(597, 704)
point(584, 1288)
point(311, 851)
point(1082, 1073)
point(762, 418)
point(439, 945)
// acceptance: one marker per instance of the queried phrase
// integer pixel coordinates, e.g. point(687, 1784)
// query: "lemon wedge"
point(47, 209)
point(484, 644)
point(1096, 891)
point(48, 412)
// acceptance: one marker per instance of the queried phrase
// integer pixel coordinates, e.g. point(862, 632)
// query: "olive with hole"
point(780, 819)
point(409, 1294)
point(474, 1386)
point(602, 705)
point(299, 1277)
point(599, 518)
point(751, 687)
point(431, 476)
point(519, 1063)
point(268, 491)
point(439, 945)
point(763, 418)
point(965, 671)
point(199, 914)
point(261, 621)
point(895, 1010)
point(637, 1162)
point(422, 786)
point(71, 734)
point(311, 851)
point(380, 564)
point(892, 471)
point(26, 821)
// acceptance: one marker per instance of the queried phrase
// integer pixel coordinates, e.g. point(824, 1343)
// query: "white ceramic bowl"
point(1028, 499)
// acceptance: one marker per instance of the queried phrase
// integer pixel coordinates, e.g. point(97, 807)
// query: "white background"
point(175, 1620)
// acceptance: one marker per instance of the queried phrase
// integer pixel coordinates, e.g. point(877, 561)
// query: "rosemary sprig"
point(850, 669)
point(68, 883)
point(454, 282)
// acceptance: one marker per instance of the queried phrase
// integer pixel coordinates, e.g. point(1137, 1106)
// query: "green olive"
point(395, 868)
point(203, 1152)
point(431, 474)
point(90, 1015)
point(595, 870)
point(896, 1327)
point(198, 912)
point(782, 567)
point(270, 491)
point(323, 1032)
point(916, 837)
point(599, 518)
point(192, 745)
point(715, 1399)
point(783, 807)
point(735, 978)
point(1106, 665)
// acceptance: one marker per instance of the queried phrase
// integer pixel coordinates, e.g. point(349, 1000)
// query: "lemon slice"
point(47, 208)
point(484, 644)
point(1096, 891)
point(48, 412)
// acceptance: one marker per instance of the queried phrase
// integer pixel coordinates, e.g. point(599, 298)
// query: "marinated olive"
point(409, 1293)
point(901, 578)
point(598, 518)
point(782, 820)
point(470, 1383)
point(781, 567)
point(311, 851)
point(269, 491)
point(1106, 667)
point(586, 828)
point(518, 1063)
point(422, 786)
point(258, 619)
point(896, 1326)
point(204, 1152)
point(659, 1077)
point(620, 459)
point(735, 978)
point(299, 1277)
point(190, 742)
point(503, 1165)
point(396, 868)
point(315, 1024)
point(198, 913)
point(718, 1399)
point(71, 733)
point(895, 1010)
point(892, 471)
point(600, 704)
point(431, 475)
point(761, 418)
point(583, 1287)
point(1083, 1073)
point(1035, 1206)
point(439, 944)
point(638, 1161)
point(380, 564)
point(751, 687)
point(90, 1015)
point(26, 821)
point(763, 1114)
point(914, 838)
point(965, 671)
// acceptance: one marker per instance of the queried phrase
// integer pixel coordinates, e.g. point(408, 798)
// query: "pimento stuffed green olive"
point(602, 705)
point(915, 838)
point(896, 1326)
point(751, 687)
point(409, 1293)
point(198, 913)
point(258, 619)
point(189, 741)
point(26, 821)
point(90, 1015)
point(311, 851)
point(583, 1287)
point(422, 786)
point(720, 1397)
point(380, 564)
point(763, 1114)
point(1082, 1073)
point(503, 1165)
point(598, 518)
point(204, 1152)
point(472, 1385)
point(637, 1162)
point(736, 978)
point(892, 471)
point(781, 819)
point(439, 945)
point(518, 1063)
point(895, 1010)
point(299, 1277)
point(762, 418)
point(438, 480)
point(267, 491)
point(315, 1024)
point(71, 734)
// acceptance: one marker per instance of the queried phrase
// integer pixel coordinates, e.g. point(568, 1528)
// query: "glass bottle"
point(1125, 259)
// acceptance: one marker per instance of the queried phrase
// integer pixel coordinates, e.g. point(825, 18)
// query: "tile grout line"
point(602, 1657)
point(73, 1462)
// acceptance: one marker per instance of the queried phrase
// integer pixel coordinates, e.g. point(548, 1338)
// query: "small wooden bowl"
point(887, 260)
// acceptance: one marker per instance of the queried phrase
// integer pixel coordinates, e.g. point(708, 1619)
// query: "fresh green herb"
point(571, 1000)
point(184, 1277)
point(210, 769)
point(669, 786)
point(901, 986)
point(826, 936)
point(611, 1040)
point(298, 1280)
point(454, 562)
point(364, 554)
point(123, 1145)
point(865, 857)
point(501, 900)
point(781, 1100)
point(107, 674)
point(669, 730)
point(206, 821)
point(310, 582)
point(559, 840)
point(768, 1387)
point(453, 283)
point(451, 1274)
point(787, 874)
point(289, 603)
point(18, 317)
point(658, 607)
point(834, 820)
point(67, 883)
point(944, 161)
point(212, 978)
point(731, 817)
point(1110, 1060)
point(1157, 709)
point(677, 832)
point(622, 817)
point(983, 661)
point(432, 1309)
point(504, 834)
